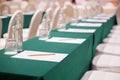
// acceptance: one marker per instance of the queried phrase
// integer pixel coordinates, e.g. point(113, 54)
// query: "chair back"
point(34, 24)
point(55, 18)
point(49, 12)
point(4, 9)
point(118, 15)
point(0, 28)
point(17, 15)
point(69, 11)
point(30, 8)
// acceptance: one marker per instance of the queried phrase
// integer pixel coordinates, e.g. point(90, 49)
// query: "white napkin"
point(44, 56)
point(94, 20)
point(66, 40)
point(79, 30)
point(87, 24)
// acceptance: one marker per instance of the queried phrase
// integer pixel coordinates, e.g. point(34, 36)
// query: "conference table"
point(78, 54)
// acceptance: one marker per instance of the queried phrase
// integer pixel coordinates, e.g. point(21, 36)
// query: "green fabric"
point(71, 68)
point(5, 23)
point(97, 35)
point(27, 20)
point(78, 61)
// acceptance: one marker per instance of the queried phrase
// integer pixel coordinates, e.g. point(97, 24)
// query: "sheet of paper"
point(29, 13)
point(87, 24)
point(42, 56)
point(94, 20)
point(66, 40)
point(101, 18)
point(79, 30)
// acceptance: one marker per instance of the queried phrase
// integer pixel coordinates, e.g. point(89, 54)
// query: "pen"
point(41, 54)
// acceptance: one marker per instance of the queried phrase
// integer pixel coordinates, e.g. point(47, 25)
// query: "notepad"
point(87, 24)
point(94, 20)
point(79, 30)
point(42, 56)
point(66, 40)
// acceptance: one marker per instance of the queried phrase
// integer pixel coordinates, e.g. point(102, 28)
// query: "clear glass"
point(18, 36)
point(44, 30)
point(10, 47)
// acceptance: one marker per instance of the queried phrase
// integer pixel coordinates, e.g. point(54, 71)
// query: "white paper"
point(101, 18)
point(29, 13)
point(79, 30)
point(115, 49)
point(42, 56)
point(94, 20)
point(87, 24)
point(66, 40)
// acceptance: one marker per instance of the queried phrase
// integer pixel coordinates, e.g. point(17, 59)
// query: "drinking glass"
point(10, 47)
point(44, 31)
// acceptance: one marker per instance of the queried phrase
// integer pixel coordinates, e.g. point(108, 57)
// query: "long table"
point(72, 67)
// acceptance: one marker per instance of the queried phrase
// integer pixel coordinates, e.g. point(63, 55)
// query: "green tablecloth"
point(71, 68)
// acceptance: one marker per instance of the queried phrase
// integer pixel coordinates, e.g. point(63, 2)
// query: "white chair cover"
point(69, 11)
point(118, 15)
point(2, 41)
point(100, 75)
point(34, 24)
point(113, 35)
point(113, 49)
point(17, 15)
point(106, 62)
point(55, 18)
point(112, 40)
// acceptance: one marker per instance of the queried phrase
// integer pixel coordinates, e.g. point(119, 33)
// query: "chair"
point(54, 20)
point(100, 75)
point(4, 9)
point(104, 48)
point(112, 40)
point(34, 24)
point(69, 11)
point(105, 62)
point(118, 15)
point(17, 15)
point(50, 12)
point(30, 8)
point(115, 35)
point(2, 41)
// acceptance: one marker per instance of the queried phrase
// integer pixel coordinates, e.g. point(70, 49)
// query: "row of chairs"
point(106, 63)
point(10, 7)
